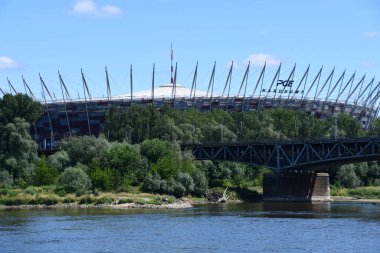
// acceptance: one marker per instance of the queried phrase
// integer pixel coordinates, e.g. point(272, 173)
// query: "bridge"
point(291, 155)
point(295, 163)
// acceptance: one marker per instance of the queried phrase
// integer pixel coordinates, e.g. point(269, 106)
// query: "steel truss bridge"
point(291, 155)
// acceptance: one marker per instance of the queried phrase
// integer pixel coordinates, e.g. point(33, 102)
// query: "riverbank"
point(46, 197)
point(178, 204)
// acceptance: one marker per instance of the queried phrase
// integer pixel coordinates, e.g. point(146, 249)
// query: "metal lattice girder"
point(291, 155)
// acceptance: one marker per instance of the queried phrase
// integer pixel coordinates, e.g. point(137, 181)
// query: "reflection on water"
point(246, 227)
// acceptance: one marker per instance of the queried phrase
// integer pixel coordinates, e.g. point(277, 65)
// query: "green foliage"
point(19, 106)
point(74, 180)
point(18, 151)
point(155, 149)
point(44, 173)
point(6, 179)
point(186, 181)
point(84, 149)
point(347, 177)
point(103, 179)
point(152, 183)
point(166, 167)
point(125, 159)
point(59, 160)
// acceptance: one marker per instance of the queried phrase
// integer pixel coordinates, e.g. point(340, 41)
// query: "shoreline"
point(178, 204)
point(355, 200)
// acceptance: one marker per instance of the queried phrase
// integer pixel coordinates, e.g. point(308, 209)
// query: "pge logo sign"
point(285, 83)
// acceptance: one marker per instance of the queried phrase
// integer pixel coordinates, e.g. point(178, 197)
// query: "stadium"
point(320, 95)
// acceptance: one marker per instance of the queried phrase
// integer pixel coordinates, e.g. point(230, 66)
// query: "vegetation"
point(140, 152)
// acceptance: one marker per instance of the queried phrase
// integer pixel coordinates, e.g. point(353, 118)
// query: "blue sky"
point(44, 36)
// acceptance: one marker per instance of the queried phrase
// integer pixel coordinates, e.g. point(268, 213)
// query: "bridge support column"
point(296, 187)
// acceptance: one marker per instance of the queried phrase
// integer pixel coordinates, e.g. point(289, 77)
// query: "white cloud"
point(89, 7)
point(371, 34)
point(368, 64)
point(8, 63)
point(260, 59)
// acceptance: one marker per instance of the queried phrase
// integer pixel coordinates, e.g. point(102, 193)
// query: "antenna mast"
point(171, 64)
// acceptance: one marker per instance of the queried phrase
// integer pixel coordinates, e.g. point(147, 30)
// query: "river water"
point(252, 227)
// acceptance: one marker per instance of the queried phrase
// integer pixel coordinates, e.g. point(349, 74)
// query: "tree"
point(347, 177)
point(74, 180)
point(85, 148)
point(59, 160)
point(126, 159)
point(155, 148)
point(44, 173)
point(18, 151)
point(19, 106)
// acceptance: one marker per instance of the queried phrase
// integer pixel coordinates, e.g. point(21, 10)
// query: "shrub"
point(74, 180)
point(178, 189)
point(103, 179)
point(200, 183)
point(186, 181)
point(347, 177)
point(44, 173)
point(85, 148)
point(6, 179)
point(104, 200)
point(152, 183)
point(125, 159)
point(59, 160)
point(166, 167)
point(155, 149)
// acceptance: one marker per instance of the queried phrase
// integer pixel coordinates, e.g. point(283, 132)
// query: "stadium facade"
point(320, 95)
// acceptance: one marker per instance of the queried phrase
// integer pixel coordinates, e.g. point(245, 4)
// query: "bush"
point(200, 183)
point(178, 189)
point(152, 183)
point(155, 149)
point(347, 177)
point(44, 173)
point(166, 167)
point(186, 181)
point(59, 160)
point(125, 159)
point(6, 179)
point(85, 148)
point(103, 179)
point(74, 180)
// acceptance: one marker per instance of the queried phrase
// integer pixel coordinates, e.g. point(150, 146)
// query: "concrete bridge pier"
point(296, 187)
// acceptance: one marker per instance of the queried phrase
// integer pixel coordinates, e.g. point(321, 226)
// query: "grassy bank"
point(370, 192)
point(46, 196)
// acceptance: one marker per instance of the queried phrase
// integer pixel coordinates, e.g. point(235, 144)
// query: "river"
point(246, 227)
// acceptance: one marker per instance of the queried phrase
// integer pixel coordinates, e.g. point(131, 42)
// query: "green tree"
point(74, 180)
point(346, 176)
point(59, 160)
point(19, 106)
point(85, 148)
point(155, 148)
point(126, 159)
point(18, 151)
point(44, 173)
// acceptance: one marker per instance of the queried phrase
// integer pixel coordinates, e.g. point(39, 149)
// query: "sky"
point(44, 37)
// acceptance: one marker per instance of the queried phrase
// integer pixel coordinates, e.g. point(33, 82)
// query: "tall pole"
point(108, 87)
point(64, 101)
point(153, 84)
point(131, 82)
point(171, 64)
point(85, 100)
point(47, 110)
